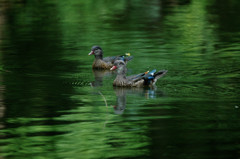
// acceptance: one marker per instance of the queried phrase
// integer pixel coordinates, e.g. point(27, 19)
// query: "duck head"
point(97, 52)
point(120, 66)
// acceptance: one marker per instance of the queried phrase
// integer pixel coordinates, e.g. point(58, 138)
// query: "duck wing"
point(136, 78)
point(158, 75)
point(127, 58)
point(110, 59)
point(120, 57)
point(153, 76)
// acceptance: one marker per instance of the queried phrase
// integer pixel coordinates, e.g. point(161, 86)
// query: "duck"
point(148, 78)
point(107, 62)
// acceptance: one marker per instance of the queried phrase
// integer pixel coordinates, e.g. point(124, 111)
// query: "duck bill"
point(91, 53)
point(113, 68)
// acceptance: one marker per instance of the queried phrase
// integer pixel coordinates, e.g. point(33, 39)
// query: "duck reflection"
point(123, 92)
point(98, 75)
point(2, 106)
point(121, 100)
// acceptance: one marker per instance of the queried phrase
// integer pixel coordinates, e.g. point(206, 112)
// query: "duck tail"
point(158, 75)
point(128, 58)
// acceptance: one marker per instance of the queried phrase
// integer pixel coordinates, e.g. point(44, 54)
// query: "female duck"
point(107, 62)
point(140, 80)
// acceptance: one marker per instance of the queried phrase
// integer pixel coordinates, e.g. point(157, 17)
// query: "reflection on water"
point(121, 100)
point(2, 106)
point(48, 109)
point(122, 93)
point(99, 75)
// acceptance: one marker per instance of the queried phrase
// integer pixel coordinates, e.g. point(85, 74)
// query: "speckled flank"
point(100, 64)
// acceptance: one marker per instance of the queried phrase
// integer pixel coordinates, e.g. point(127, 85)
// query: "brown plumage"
point(140, 80)
point(107, 62)
point(100, 64)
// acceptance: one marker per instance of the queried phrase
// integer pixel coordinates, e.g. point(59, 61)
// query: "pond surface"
point(53, 105)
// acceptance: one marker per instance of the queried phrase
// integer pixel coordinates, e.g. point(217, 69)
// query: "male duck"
point(140, 80)
point(107, 62)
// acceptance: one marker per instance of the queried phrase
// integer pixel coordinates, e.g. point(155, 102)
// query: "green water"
point(52, 105)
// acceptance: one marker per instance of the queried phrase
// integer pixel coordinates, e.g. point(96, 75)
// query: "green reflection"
point(48, 108)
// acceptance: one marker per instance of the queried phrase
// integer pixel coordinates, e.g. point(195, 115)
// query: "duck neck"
point(121, 73)
point(98, 54)
point(98, 57)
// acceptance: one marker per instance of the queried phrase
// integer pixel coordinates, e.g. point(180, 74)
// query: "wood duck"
point(140, 80)
point(107, 62)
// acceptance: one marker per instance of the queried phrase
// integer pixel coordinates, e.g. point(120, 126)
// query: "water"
point(54, 106)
